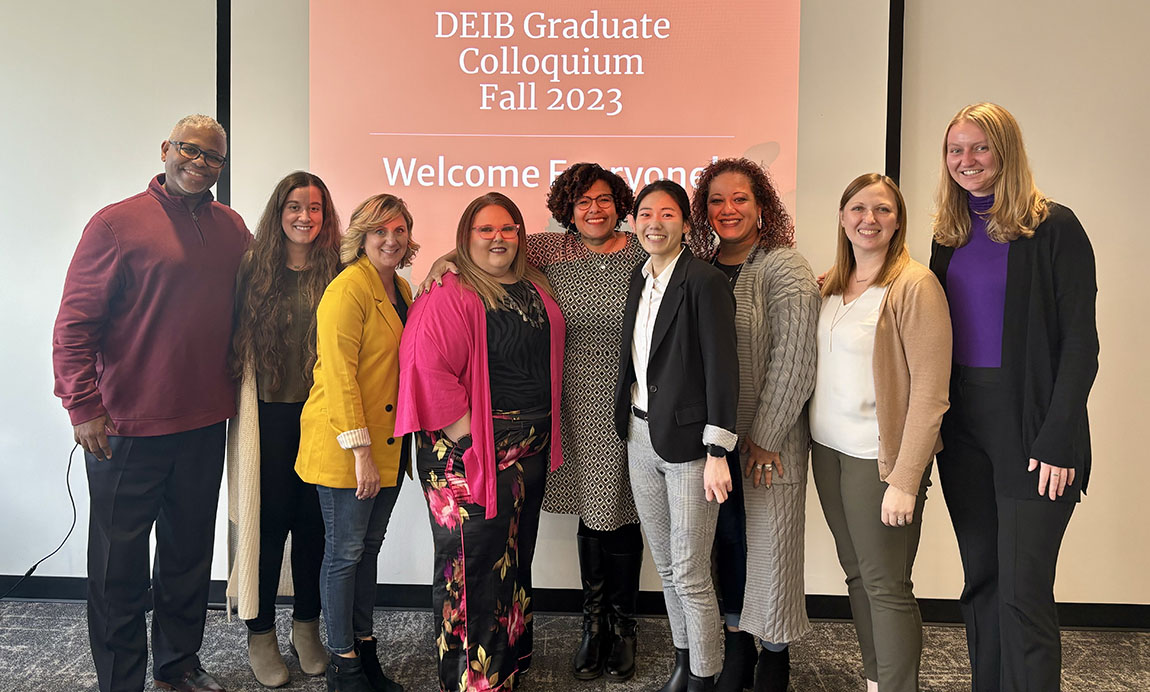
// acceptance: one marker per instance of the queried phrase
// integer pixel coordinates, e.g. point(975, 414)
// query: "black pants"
point(287, 504)
point(1008, 538)
point(731, 542)
point(173, 482)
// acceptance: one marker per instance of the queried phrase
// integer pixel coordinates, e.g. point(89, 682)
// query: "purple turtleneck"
point(976, 289)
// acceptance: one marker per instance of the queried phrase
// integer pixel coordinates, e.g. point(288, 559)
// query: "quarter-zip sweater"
point(146, 316)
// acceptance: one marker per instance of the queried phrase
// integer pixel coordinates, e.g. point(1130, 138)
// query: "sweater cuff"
point(354, 438)
point(87, 411)
point(714, 435)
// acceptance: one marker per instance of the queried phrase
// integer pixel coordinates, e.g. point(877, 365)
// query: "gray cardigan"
point(776, 318)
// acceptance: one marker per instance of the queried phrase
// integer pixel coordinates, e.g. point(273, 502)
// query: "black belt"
point(639, 413)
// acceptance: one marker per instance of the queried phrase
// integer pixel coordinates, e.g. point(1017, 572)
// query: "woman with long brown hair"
point(880, 393)
point(481, 371)
point(294, 256)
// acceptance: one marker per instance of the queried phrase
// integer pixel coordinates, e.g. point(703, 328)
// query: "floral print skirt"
point(483, 599)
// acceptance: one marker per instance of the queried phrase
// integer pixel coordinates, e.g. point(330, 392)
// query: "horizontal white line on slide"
point(494, 134)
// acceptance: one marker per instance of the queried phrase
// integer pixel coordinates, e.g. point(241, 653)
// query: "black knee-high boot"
point(592, 654)
point(622, 596)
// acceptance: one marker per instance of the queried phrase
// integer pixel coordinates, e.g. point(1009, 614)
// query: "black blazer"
point(1049, 346)
point(693, 370)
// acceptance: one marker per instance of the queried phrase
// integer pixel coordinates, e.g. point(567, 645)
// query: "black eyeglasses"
point(192, 152)
point(602, 201)
point(507, 231)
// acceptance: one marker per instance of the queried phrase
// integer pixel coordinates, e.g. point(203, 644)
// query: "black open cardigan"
point(1049, 340)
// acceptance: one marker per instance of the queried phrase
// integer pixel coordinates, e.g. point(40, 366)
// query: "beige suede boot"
point(308, 648)
point(265, 659)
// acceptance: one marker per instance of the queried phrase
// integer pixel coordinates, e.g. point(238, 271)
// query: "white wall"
point(95, 91)
point(1074, 75)
point(90, 90)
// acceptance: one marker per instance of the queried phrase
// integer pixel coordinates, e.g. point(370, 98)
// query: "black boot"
point(738, 662)
point(591, 656)
point(680, 674)
point(372, 670)
point(346, 675)
point(701, 684)
point(622, 595)
point(773, 671)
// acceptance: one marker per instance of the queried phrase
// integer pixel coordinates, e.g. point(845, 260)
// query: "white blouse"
point(842, 409)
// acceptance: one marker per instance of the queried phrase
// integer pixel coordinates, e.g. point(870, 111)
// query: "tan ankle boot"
point(307, 647)
point(265, 659)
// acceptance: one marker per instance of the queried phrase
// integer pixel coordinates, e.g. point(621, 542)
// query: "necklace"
point(297, 267)
point(836, 318)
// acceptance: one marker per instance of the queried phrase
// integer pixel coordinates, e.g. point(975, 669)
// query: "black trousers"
point(731, 542)
point(287, 504)
point(1008, 539)
point(172, 482)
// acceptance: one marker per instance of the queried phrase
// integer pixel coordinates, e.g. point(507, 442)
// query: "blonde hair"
point(489, 289)
point(838, 278)
point(372, 213)
point(1019, 207)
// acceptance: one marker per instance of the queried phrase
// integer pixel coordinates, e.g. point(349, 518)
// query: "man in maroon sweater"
point(140, 355)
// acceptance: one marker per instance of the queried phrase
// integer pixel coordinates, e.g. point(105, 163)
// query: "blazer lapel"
point(669, 307)
point(382, 302)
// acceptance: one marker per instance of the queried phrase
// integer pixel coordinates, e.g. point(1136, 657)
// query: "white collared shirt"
point(649, 302)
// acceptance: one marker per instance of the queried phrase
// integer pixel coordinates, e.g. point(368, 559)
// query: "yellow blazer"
point(356, 380)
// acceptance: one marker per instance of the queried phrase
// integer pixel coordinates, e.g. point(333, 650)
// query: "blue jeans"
point(354, 531)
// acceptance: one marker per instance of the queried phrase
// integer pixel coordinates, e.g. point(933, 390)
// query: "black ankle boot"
point(701, 684)
point(680, 674)
point(346, 675)
point(622, 595)
point(369, 659)
point(773, 671)
point(591, 656)
point(738, 662)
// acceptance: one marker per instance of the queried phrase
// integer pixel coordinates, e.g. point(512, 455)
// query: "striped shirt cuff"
point(354, 438)
point(714, 435)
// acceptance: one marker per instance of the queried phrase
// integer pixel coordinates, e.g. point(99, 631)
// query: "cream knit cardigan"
point(243, 466)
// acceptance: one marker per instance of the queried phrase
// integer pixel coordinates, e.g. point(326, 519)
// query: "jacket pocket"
point(693, 413)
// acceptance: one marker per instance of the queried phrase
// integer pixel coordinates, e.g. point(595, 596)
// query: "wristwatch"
point(716, 451)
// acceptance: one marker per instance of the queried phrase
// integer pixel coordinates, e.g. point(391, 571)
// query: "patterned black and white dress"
point(591, 289)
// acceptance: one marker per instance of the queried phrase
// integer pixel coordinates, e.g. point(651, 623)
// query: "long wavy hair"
point(839, 277)
point(263, 314)
point(490, 290)
point(1019, 207)
point(775, 226)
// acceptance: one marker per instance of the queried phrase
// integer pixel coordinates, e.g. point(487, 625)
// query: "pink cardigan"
point(443, 375)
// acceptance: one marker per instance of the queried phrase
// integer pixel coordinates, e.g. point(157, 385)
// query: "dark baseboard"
point(938, 611)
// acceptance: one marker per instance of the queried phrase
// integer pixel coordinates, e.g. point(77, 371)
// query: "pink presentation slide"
point(441, 102)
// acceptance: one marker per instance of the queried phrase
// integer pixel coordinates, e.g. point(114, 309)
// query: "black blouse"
point(519, 351)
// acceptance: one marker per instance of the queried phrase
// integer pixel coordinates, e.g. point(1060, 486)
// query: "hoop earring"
point(760, 222)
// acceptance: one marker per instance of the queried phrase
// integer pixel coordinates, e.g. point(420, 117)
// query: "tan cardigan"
point(912, 354)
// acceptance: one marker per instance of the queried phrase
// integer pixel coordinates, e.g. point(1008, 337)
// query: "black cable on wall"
point(894, 90)
point(224, 90)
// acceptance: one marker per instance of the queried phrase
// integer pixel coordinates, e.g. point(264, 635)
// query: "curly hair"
point(775, 226)
point(574, 182)
point(263, 313)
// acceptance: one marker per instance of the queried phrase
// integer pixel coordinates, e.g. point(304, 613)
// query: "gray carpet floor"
point(44, 648)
